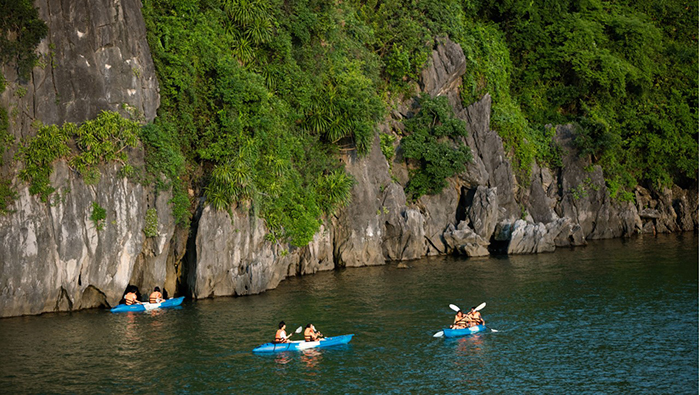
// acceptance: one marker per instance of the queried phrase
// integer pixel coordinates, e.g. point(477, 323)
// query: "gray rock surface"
point(52, 256)
point(483, 211)
point(94, 58)
point(404, 228)
point(465, 241)
point(488, 149)
point(358, 231)
point(444, 74)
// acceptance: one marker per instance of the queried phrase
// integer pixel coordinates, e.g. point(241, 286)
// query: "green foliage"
point(386, 143)
point(151, 227)
point(5, 137)
point(98, 141)
point(257, 96)
point(333, 191)
point(434, 142)
point(21, 30)
point(627, 72)
point(489, 65)
point(403, 32)
point(7, 196)
point(21, 92)
point(180, 204)
point(98, 216)
point(38, 154)
point(101, 140)
point(162, 153)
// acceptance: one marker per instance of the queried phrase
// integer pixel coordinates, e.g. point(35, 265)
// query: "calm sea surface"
point(616, 317)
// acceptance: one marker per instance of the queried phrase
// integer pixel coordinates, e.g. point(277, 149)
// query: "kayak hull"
point(303, 345)
point(172, 302)
point(463, 332)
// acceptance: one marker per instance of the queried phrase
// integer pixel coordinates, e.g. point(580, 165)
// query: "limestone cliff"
point(54, 258)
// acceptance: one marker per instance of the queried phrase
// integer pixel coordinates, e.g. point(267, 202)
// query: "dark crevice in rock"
point(189, 261)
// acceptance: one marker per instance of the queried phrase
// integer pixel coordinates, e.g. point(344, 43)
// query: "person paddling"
point(131, 298)
point(311, 334)
point(281, 336)
point(461, 321)
point(474, 317)
point(156, 296)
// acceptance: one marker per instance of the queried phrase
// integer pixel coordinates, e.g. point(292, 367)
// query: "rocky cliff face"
point(53, 258)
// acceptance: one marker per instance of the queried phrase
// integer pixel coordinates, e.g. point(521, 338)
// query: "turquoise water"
point(618, 316)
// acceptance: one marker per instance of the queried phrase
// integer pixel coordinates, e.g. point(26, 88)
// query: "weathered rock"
point(487, 148)
point(667, 222)
point(358, 230)
point(649, 213)
point(232, 256)
point(685, 204)
point(444, 73)
point(95, 57)
point(671, 210)
point(404, 231)
point(53, 257)
point(541, 197)
point(483, 211)
point(585, 198)
point(465, 241)
point(317, 256)
point(439, 212)
point(570, 234)
point(151, 266)
point(527, 238)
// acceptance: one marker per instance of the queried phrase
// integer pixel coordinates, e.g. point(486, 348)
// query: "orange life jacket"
point(155, 296)
point(280, 336)
point(463, 321)
point(309, 335)
point(130, 298)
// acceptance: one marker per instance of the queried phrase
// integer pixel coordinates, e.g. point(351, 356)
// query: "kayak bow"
point(172, 302)
point(304, 345)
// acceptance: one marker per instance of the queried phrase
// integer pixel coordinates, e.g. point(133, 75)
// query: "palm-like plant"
point(333, 190)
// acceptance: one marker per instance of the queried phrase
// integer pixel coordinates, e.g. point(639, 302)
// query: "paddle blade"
point(481, 306)
point(455, 308)
point(493, 330)
point(150, 306)
point(298, 330)
point(439, 334)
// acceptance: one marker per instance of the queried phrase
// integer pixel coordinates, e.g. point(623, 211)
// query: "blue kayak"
point(172, 302)
point(304, 345)
point(463, 332)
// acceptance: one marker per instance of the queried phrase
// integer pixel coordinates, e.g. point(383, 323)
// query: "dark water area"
point(616, 317)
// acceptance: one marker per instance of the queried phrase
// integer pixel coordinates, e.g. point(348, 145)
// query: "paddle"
point(477, 308)
point(296, 331)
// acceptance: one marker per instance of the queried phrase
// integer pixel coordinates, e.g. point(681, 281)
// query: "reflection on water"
point(283, 358)
point(311, 358)
point(618, 316)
